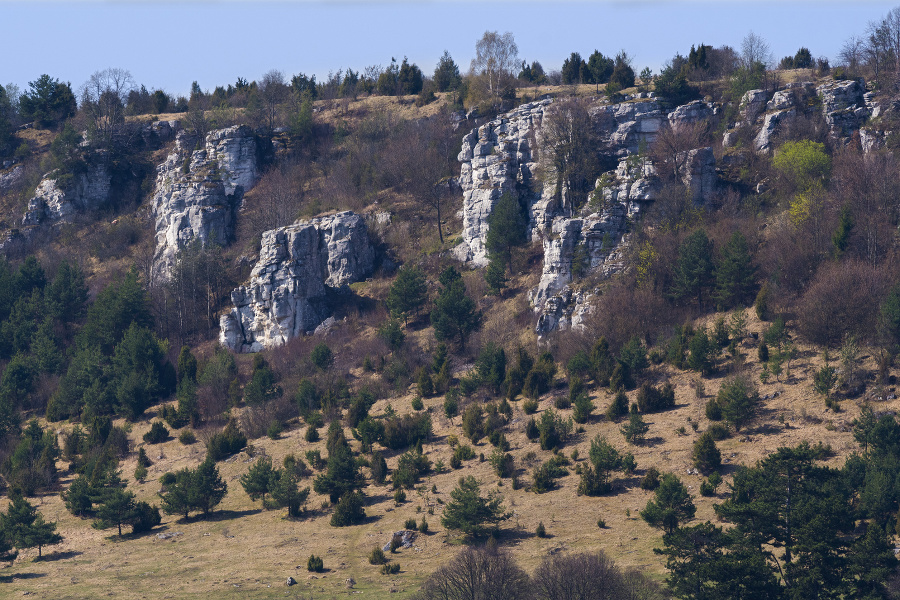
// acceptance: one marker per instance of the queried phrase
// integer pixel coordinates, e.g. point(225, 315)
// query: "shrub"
point(706, 456)
point(530, 407)
point(464, 452)
point(650, 399)
point(410, 524)
point(140, 473)
point(562, 402)
point(399, 496)
point(311, 435)
point(619, 406)
point(229, 441)
point(274, 430)
point(315, 564)
point(473, 422)
point(424, 383)
point(531, 429)
point(349, 510)
point(423, 526)
point(553, 430)
point(417, 403)
point(451, 403)
point(650, 481)
point(706, 489)
point(739, 400)
point(321, 356)
point(713, 410)
point(541, 531)
point(504, 463)
point(158, 433)
point(377, 557)
point(405, 431)
point(390, 568)
point(187, 437)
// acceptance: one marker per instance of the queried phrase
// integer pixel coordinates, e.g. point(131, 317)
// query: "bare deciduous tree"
point(273, 91)
point(569, 161)
point(103, 99)
point(486, 573)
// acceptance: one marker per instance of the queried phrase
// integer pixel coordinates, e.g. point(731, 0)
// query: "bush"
point(187, 437)
point(463, 452)
point(226, 443)
point(706, 489)
point(311, 435)
point(541, 531)
point(451, 403)
point(531, 429)
point(619, 406)
point(315, 564)
point(553, 430)
point(423, 526)
point(530, 407)
point(158, 433)
point(390, 568)
point(706, 456)
point(274, 430)
point(503, 462)
point(349, 510)
point(321, 356)
point(377, 557)
point(417, 403)
point(408, 430)
point(140, 473)
point(411, 524)
point(650, 399)
point(713, 410)
point(650, 481)
point(399, 496)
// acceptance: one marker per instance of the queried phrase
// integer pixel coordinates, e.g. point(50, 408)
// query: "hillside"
point(502, 287)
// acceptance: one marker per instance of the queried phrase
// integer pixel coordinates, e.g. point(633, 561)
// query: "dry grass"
point(245, 552)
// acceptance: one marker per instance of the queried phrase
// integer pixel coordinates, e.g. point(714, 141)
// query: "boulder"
point(700, 174)
point(199, 190)
point(753, 103)
point(692, 112)
point(298, 266)
point(771, 124)
point(845, 107)
point(60, 200)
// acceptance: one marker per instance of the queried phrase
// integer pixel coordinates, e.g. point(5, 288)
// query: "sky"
point(168, 45)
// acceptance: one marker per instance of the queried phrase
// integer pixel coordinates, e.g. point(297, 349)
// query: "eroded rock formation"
point(198, 190)
point(298, 266)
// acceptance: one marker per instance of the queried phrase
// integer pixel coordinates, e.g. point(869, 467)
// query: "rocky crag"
point(199, 188)
point(56, 200)
point(298, 267)
point(502, 156)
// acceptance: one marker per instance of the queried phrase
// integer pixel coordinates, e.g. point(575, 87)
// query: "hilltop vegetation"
point(709, 413)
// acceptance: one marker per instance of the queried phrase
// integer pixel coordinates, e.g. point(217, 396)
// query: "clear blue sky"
point(168, 45)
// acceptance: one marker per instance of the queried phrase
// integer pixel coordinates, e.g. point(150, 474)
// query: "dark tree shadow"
point(54, 556)
point(9, 578)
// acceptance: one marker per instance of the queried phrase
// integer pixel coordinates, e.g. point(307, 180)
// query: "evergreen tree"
point(706, 456)
point(693, 272)
point(446, 74)
point(495, 277)
point(702, 352)
point(286, 492)
point(735, 273)
point(671, 505)
point(119, 508)
point(454, 316)
point(506, 228)
point(207, 487)
point(258, 481)
point(25, 527)
point(605, 459)
point(601, 67)
point(738, 400)
point(469, 513)
point(635, 430)
point(408, 293)
point(341, 475)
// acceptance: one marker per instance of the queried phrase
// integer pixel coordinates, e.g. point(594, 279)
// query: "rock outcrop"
point(496, 159)
point(298, 266)
point(199, 190)
point(80, 193)
point(624, 128)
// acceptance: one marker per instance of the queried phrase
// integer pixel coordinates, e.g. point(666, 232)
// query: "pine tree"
point(470, 513)
point(636, 428)
point(408, 293)
point(495, 277)
point(258, 481)
point(25, 527)
point(454, 316)
point(735, 273)
point(118, 508)
point(341, 475)
point(506, 228)
point(706, 455)
point(671, 505)
point(208, 488)
point(286, 492)
point(693, 272)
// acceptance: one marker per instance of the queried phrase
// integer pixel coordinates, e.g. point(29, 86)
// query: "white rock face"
point(700, 174)
point(286, 295)
point(623, 128)
point(496, 159)
point(844, 106)
point(198, 191)
point(86, 192)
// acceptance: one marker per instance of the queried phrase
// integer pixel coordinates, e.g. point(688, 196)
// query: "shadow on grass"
point(54, 556)
point(9, 578)
point(220, 515)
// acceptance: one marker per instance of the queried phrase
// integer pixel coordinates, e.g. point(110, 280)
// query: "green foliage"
point(446, 74)
point(504, 463)
point(541, 531)
point(314, 564)
point(491, 367)
point(195, 489)
point(226, 443)
point(706, 456)
point(31, 466)
point(349, 510)
point(618, 408)
point(258, 480)
point(454, 316)
point(553, 430)
point(451, 403)
point(341, 476)
point(410, 467)
point(671, 505)
point(157, 433)
point(735, 273)
point(25, 527)
point(471, 514)
point(408, 430)
point(506, 228)
point(635, 430)
point(495, 276)
point(322, 356)
point(47, 102)
point(408, 293)
point(650, 480)
point(650, 399)
point(694, 270)
point(803, 164)
point(738, 400)
point(539, 379)
point(595, 478)
point(377, 557)
point(582, 408)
